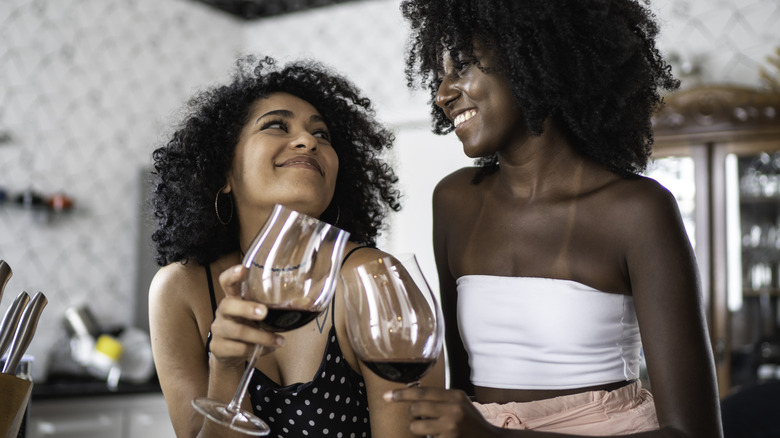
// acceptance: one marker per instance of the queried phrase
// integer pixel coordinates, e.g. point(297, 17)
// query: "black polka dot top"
point(333, 404)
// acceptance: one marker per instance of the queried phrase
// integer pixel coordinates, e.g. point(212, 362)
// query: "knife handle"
point(10, 320)
point(25, 331)
point(5, 275)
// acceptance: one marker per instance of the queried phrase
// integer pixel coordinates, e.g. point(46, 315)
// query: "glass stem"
point(238, 398)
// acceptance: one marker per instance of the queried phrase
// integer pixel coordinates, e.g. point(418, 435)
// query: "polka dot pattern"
point(333, 404)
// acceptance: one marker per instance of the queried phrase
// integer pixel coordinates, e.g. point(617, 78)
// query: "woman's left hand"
point(444, 413)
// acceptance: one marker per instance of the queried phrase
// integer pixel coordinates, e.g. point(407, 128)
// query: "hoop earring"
point(216, 208)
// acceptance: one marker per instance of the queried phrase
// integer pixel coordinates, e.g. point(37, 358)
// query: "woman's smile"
point(302, 162)
point(464, 117)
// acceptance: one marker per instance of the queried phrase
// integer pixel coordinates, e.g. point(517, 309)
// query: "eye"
point(322, 134)
point(462, 68)
point(274, 124)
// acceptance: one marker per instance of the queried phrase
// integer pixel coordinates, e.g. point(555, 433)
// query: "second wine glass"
point(394, 322)
point(293, 268)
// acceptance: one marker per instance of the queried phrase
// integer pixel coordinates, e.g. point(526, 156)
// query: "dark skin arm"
point(180, 318)
point(458, 361)
point(660, 268)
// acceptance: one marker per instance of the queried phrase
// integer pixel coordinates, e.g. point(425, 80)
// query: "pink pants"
point(629, 409)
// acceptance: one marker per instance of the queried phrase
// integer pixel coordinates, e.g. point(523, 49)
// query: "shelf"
point(755, 293)
point(759, 200)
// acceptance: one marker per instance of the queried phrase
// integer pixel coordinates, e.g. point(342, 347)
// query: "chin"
point(476, 153)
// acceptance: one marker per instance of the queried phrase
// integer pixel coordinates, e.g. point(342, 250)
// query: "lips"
point(302, 161)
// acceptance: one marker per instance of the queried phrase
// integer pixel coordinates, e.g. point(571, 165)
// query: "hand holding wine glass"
point(394, 323)
point(293, 266)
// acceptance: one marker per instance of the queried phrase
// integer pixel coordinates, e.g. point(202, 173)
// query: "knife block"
point(13, 404)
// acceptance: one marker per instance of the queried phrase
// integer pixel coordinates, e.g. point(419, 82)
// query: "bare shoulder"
point(642, 213)
point(178, 286)
point(362, 255)
point(455, 182)
point(454, 190)
point(176, 277)
point(644, 199)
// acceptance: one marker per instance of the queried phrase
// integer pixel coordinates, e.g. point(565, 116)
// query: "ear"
point(228, 187)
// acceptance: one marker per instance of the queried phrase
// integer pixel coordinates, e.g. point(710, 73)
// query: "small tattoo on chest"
point(324, 316)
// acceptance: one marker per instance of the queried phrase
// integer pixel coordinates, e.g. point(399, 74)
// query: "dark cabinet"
point(718, 149)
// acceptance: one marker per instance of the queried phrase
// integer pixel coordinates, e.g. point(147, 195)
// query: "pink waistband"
point(629, 409)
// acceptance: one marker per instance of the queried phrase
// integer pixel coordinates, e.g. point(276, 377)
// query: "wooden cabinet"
point(730, 137)
point(114, 416)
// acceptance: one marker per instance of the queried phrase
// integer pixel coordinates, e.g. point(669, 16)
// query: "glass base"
point(240, 421)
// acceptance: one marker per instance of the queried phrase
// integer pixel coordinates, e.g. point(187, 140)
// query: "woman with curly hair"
point(558, 262)
point(296, 135)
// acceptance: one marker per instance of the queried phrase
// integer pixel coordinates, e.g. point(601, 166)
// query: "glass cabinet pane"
point(753, 264)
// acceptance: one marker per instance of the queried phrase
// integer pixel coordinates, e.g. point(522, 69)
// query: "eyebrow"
point(287, 114)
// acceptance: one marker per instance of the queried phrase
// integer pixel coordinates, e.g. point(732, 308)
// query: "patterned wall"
point(719, 41)
point(89, 87)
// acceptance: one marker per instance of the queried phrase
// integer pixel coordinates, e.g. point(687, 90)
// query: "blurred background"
point(88, 88)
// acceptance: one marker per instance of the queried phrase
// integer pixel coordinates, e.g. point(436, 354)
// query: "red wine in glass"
point(400, 370)
point(394, 322)
point(285, 319)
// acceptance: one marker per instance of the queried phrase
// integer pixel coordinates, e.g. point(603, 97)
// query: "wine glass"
point(293, 264)
point(394, 323)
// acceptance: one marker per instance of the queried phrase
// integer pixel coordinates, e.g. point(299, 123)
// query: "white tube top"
point(542, 333)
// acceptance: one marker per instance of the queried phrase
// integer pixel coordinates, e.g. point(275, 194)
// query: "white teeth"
point(462, 117)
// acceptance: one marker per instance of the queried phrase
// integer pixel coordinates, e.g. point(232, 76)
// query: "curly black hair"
point(193, 165)
point(591, 65)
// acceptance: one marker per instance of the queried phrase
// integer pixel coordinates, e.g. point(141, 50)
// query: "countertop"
point(79, 387)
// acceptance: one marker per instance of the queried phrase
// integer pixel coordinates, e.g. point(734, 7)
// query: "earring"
point(216, 208)
point(338, 215)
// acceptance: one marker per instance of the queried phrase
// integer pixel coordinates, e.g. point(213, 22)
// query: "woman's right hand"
point(442, 413)
point(234, 332)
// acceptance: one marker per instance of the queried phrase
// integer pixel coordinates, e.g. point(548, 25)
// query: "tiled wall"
point(726, 41)
point(88, 88)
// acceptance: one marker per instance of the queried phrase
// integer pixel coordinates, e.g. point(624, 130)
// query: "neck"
point(250, 223)
point(540, 165)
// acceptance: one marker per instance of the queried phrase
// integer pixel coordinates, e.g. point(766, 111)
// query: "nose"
point(305, 140)
point(447, 93)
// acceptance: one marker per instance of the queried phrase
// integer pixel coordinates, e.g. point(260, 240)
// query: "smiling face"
point(480, 104)
point(283, 156)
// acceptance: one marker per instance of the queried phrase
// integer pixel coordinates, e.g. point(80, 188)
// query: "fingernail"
point(388, 396)
point(279, 341)
point(237, 269)
point(260, 310)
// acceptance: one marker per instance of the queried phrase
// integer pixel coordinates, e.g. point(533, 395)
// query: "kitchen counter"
point(81, 387)
point(89, 410)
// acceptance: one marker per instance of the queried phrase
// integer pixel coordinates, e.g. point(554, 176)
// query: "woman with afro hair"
point(297, 135)
point(558, 262)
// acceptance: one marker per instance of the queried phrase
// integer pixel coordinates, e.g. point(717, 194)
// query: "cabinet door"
point(116, 416)
point(76, 425)
point(149, 419)
point(747, 265)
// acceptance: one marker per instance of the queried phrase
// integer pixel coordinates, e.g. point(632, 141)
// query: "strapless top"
point(542, 333)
